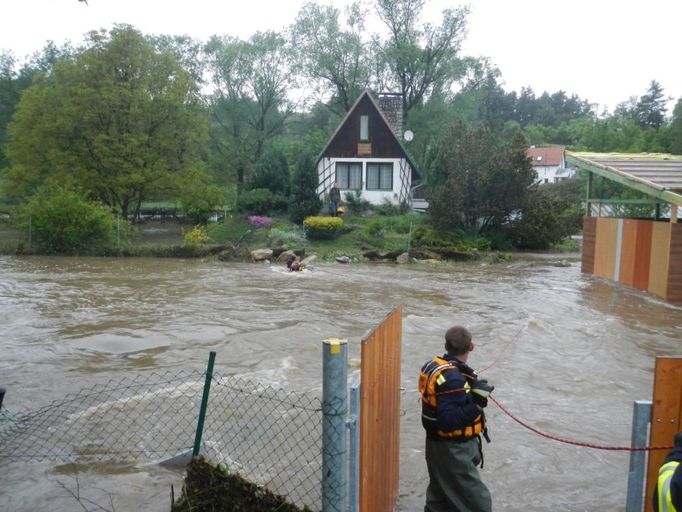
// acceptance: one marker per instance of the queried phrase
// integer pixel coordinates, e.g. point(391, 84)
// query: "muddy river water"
point(569, 354)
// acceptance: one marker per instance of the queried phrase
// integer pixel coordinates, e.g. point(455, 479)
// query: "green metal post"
point(204, 404)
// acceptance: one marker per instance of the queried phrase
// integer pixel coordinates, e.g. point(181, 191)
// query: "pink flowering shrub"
point(259, 221)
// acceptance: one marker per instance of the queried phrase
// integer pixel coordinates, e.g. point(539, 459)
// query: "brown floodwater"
point(569, 354)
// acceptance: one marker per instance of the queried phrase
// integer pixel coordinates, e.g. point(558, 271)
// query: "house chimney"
point(391, 105)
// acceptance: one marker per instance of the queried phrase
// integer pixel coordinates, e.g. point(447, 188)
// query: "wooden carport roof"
point(659, 176)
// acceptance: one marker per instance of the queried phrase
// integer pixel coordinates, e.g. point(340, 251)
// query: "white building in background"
point(550, 164)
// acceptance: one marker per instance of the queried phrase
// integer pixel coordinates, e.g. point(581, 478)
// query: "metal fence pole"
point(641, 417)
point(204, 404)
point(334, 411)
point(354, 449)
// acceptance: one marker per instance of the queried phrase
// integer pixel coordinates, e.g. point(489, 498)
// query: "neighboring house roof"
point(382, 117)
point(659, 176)
point(549, 157)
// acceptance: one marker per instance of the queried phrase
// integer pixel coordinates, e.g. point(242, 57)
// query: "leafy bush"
point(64, 222)
point(356, 202)
point(261, 201)
point(545, 221)
point(287, 238)
point(388, 208)
point(198, 197)
point(322, 228)
point(426, 236)
point(193, 238)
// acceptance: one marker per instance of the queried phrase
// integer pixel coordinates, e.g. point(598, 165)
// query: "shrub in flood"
point(62, 221)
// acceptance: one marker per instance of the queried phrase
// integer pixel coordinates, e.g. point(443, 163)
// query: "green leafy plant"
point(356, 202)
point(195, 237)
point(62, 221)
point(261, 201)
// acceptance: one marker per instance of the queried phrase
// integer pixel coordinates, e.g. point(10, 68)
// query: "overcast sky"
point(605, 51)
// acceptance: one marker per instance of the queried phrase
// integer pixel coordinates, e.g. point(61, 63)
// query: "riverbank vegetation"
point(92, 135)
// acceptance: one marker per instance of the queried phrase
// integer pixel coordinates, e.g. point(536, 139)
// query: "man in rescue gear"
point(453, 399)
point(668, 495)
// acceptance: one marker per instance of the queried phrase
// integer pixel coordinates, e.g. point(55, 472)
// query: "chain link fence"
point(271, 437)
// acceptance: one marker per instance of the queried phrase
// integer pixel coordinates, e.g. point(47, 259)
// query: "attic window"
point(364, 127)
point(539, 158)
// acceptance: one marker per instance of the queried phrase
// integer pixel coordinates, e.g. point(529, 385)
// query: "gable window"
point(349, 175)
point(380, 176)
point(364, 127)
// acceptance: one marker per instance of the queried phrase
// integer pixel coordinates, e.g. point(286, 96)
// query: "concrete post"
point(641, 417)
point(334, 411)
point(354, 449)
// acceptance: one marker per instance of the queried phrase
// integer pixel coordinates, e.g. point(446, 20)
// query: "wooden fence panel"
point(674, 292)
point(660, 256)
point(642, 255)
point(605, 247)
point(588, 246)
point(628, 252)
point(665, 416)
point(380, 415)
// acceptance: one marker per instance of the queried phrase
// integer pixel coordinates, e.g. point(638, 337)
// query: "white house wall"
point(402, 173)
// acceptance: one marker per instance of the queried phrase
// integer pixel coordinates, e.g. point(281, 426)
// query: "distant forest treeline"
point(168, 115)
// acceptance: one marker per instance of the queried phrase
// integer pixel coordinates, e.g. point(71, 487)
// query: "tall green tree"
point(250, 104)
point(304, 200)
point(651, 107)
point(119, 119)
point(331, 53)
point(483, 180)
point(271, 172)
point(419, 58)
point(676, 129)
point(15, 78)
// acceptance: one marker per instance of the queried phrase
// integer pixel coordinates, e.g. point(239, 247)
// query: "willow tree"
point(249, 103)
point(119, 120)
point(419, 58)
point(331, 52)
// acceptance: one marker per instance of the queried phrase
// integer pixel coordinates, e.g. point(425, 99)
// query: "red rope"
point(504, 349)
point(576, 443)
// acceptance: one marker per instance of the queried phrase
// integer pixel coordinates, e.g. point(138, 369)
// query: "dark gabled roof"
point(657, 175)
point(366, 93)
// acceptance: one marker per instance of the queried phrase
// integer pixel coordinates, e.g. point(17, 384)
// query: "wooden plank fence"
point(665, 417)
point(380, 415)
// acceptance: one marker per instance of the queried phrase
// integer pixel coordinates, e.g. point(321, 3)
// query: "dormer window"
point(364, 127)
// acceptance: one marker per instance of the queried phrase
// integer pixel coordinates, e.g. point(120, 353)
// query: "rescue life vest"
point(431, 376)
point(665, 498)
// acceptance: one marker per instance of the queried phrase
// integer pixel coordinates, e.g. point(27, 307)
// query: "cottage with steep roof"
point(366, 154)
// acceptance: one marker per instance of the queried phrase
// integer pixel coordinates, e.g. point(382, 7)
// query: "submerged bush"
point(61, 221)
